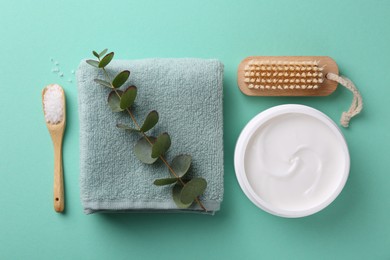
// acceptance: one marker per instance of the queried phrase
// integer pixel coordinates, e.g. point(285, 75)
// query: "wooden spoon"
point(56, 131)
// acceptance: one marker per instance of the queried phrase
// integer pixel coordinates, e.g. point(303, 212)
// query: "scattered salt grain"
point(53, 104)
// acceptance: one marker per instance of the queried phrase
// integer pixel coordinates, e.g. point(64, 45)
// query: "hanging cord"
point(357, 102)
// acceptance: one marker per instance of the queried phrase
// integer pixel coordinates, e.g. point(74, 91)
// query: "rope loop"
point(357, 102)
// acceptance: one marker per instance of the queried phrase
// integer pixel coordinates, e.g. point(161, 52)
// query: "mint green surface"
point(355, 33)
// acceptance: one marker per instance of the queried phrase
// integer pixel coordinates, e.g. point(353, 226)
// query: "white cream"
point(292, 163)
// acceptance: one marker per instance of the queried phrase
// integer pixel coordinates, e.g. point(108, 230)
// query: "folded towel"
point(187, 93)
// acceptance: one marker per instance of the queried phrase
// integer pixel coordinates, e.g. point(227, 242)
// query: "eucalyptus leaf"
point(150, 121)
point(181, 164)
point(106, 60)
point(128, 97)
point(165, 181)
point(161, 145)
point(95, 54)
point(176, 191)
point(114, 101)
point(103, 52)
point(126, 127)
point(121, 78)
point(103, 83)
point(192, 189)
point(93, 63)
point(143, 151)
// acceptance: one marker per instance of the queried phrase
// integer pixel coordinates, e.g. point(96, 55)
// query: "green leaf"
point(114, 101)
point(93, 63)
point(161, 145)
point(121, 78)
point(150, 121)
point(103, 83)
point(192, 189)
point(106, 59)
point(143, 151)
point(176, 191)
point(165, 181)
point(181, 164)
point(103, 52)
point(95, 54)
point(126, 127)
point(128, 97)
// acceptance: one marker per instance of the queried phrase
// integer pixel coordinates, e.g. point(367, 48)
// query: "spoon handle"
point(58, 178)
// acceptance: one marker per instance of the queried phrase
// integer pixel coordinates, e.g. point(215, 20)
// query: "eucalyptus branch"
point(148, 149)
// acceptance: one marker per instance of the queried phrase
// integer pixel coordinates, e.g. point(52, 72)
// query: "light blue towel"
point(187, 93)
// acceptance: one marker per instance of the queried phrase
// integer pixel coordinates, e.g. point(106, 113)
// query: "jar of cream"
point(291, 160)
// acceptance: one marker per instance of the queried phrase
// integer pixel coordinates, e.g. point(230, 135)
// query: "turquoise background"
point(355, 33)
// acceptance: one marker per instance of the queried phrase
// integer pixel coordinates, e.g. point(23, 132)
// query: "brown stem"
point(171, 170)
point(150, 142)
point(136, 124)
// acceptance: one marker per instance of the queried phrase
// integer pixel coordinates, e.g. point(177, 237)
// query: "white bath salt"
point(61, 74)
point(72, 71)
point(53, 104)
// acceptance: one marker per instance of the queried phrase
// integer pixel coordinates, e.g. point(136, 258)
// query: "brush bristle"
point(283, 75)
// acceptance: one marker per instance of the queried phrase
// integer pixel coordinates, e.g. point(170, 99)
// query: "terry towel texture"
point(187, 93)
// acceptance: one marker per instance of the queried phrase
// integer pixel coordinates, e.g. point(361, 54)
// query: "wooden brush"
point(295, 76)
point(287, 76)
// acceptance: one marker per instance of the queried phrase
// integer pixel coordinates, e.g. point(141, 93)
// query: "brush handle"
point(59, 202)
